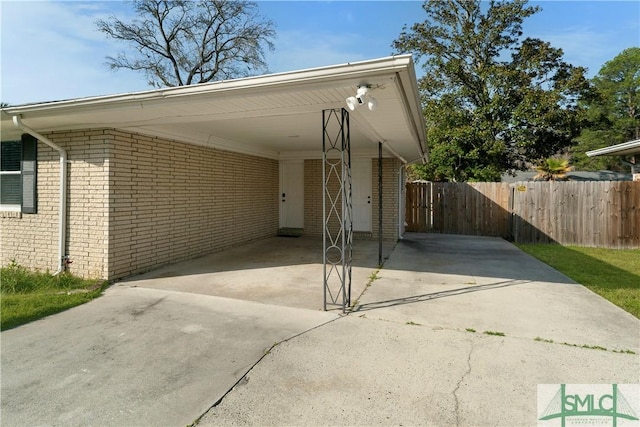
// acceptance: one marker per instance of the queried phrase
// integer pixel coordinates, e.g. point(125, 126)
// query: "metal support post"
point(337, 208)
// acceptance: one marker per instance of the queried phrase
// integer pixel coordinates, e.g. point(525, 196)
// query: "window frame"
point(28, 177)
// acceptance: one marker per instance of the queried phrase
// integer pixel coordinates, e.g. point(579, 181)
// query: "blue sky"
point(50, 50)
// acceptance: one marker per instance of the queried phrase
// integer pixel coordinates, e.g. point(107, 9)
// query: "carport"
point(300, 119)
point(282, 271)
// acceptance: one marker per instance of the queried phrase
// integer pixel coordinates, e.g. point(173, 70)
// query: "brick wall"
point(313, 216)
point(136, 202)
point(32, 239)
point(173, 201)
point(390, 177)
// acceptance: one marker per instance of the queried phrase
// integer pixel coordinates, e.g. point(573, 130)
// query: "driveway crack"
point(244, 378)
point(460, 381)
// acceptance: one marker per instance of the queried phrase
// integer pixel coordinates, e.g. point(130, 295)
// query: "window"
point(18, 167)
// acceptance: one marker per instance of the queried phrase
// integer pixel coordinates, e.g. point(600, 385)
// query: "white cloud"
point(52, 50)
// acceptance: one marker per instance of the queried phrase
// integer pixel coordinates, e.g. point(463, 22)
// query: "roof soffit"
point(278, 113)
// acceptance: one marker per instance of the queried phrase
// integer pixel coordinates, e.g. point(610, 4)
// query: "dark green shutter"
point(29, 174)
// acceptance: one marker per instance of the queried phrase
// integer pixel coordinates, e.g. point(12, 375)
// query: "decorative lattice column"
point(337, 208)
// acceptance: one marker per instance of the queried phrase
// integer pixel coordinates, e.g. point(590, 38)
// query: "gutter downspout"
point(62, 220)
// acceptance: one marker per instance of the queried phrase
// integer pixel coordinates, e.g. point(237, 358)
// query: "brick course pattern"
point(390, 188)
point(137, 202)
point(31, 240)
point(313, 217)
point(172, 201)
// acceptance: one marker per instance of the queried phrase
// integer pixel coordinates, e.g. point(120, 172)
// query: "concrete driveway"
point(413, 351)
point(138, 356)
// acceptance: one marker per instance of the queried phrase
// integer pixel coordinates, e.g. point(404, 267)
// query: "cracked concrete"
point(462, 378)
point(402, 357)
point(360, 371)
point(138, 356)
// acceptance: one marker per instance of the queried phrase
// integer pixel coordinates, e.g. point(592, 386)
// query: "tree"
point(613, 111)
point(185, 42)
point(552, 169)
point(493, 101)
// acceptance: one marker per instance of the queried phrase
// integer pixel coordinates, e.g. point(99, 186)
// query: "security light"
point(361, 93)
point(352, 103)
point(362, 97)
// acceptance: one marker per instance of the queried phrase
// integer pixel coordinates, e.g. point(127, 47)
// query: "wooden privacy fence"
point(596, 213)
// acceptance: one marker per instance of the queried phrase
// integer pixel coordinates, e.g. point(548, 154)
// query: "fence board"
point(591, 213)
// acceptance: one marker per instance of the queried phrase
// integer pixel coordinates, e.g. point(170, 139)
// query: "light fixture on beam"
point(362, 98)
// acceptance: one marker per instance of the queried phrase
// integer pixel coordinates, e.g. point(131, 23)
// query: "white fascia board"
point(409, 82)
point(137, 100)
point(616, 149)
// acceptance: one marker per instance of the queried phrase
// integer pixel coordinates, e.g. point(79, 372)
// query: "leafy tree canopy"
point(493, 100)
point(183, 42)
point(613, 111)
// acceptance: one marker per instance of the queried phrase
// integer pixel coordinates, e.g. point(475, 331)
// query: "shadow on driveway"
point(488, 284)
point(280, 270)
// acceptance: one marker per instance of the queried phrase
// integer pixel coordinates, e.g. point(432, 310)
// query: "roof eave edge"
point(286, 79)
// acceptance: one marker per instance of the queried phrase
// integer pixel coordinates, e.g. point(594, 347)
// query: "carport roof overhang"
point(625, 149)
point(276, 116)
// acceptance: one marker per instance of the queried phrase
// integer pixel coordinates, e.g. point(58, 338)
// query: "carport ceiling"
point(276, 116)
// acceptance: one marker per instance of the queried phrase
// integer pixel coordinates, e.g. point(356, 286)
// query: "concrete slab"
point(404, 356)
point(138, 357)
point(361, 371)
point(142, 355)
point(488, 284)
point(280, 270)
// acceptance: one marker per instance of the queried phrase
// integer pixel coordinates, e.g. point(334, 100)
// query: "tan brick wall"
point(136, 202)
point(313, 217)
point(390, 177)
point(173, 201)
point(32, 239)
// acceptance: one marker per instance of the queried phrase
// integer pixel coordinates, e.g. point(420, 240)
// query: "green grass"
point(613, 274)
point(26, 296)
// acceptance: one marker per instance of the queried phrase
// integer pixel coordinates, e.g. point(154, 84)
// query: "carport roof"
point(277, 115)
point(624, 149)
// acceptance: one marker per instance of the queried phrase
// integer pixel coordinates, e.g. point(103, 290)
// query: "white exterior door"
point(361, 194)
point(292, 194)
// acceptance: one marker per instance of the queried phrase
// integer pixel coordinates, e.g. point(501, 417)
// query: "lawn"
point(26, 296)
point(611, 273)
